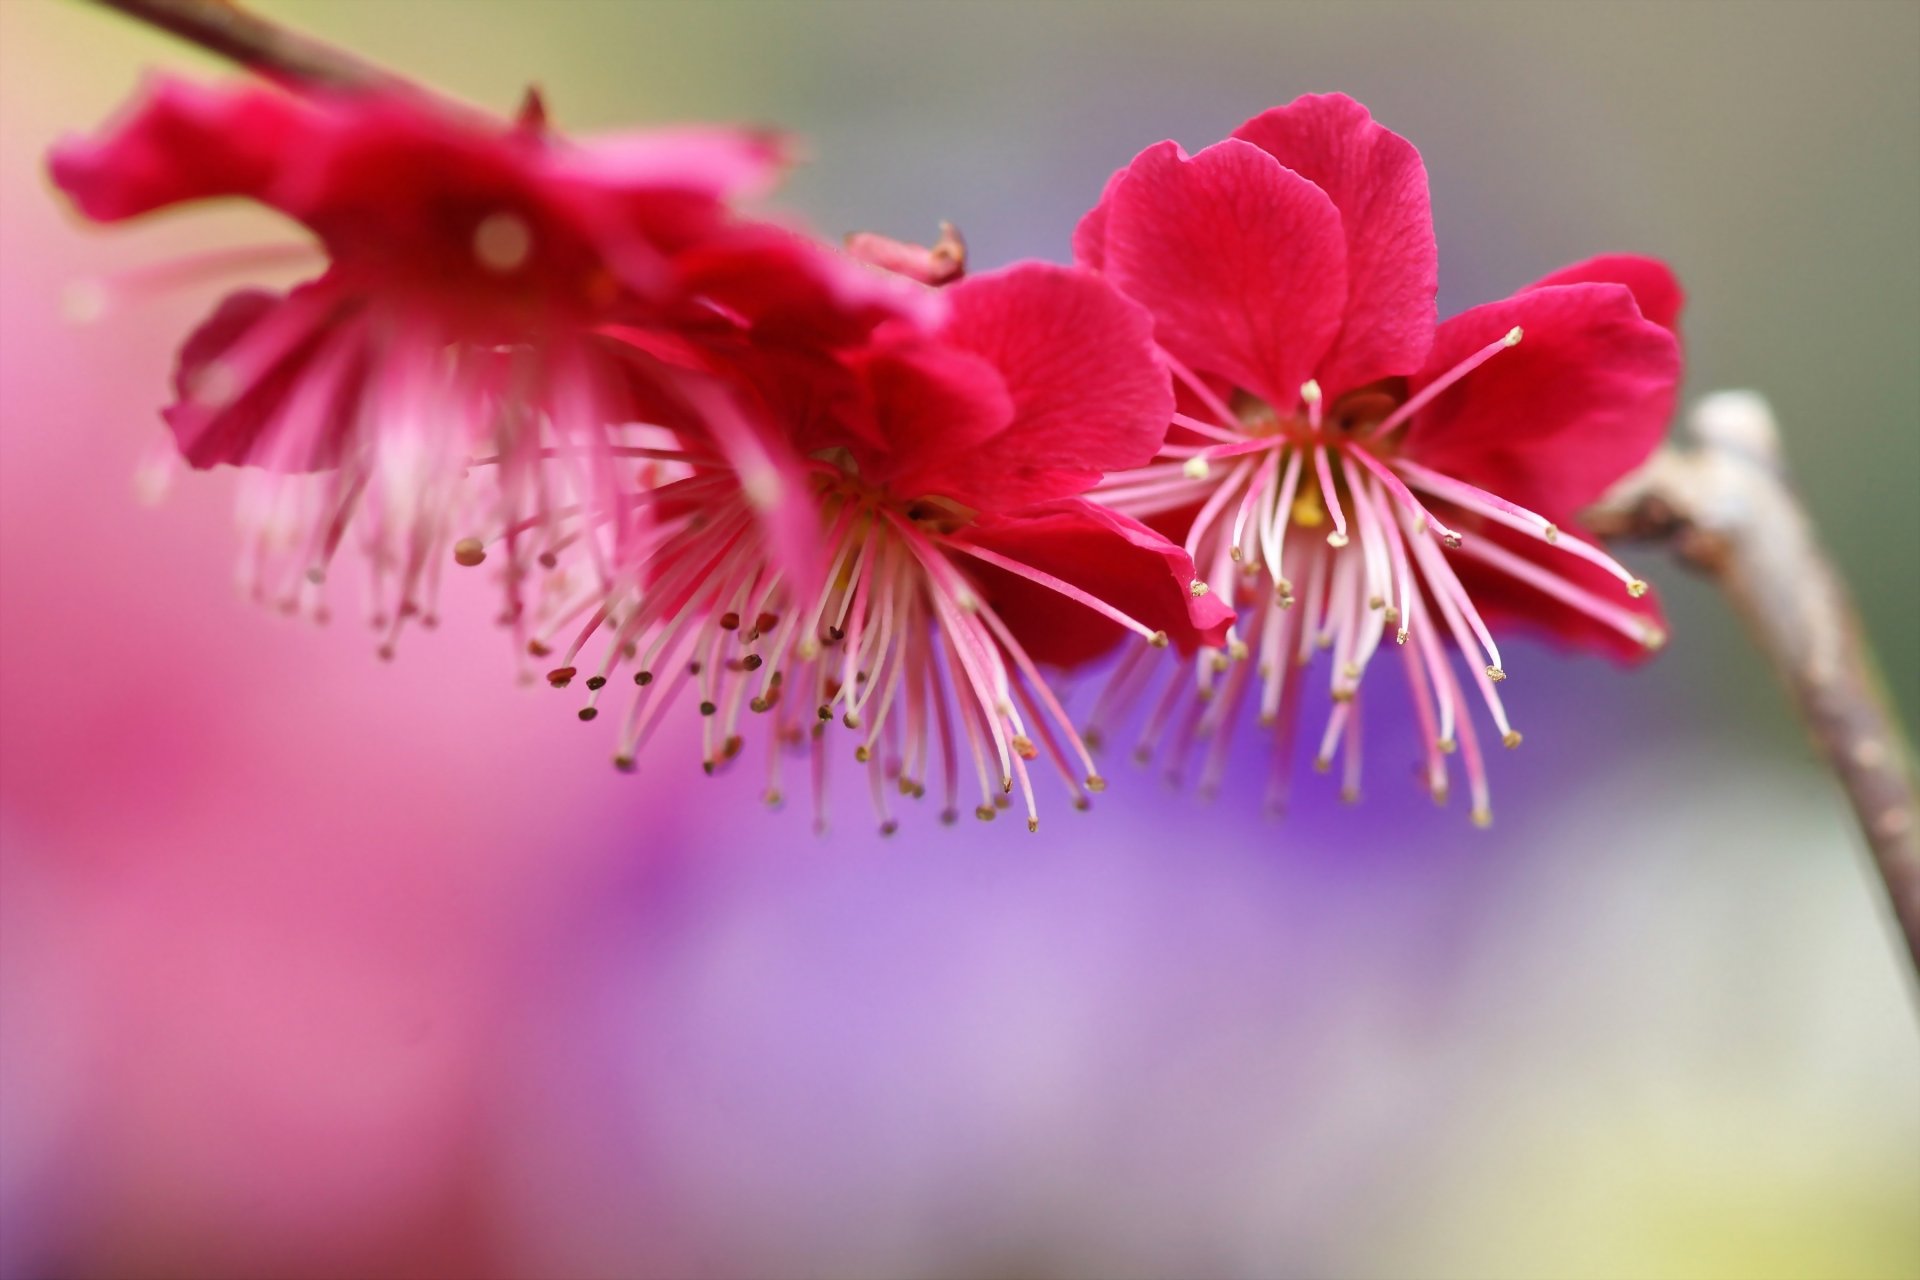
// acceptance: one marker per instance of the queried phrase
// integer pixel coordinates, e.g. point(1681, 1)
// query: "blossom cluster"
point(875, 504)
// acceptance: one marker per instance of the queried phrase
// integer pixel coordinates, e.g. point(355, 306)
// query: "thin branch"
point(1724, 506)
point(274, 51)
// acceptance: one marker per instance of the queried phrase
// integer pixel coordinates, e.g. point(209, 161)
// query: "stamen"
point(1323, 465)
point(1426, 394)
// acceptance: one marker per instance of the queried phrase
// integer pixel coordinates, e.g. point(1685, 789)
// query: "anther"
point(890, 826)
point(1158, 639)
point(1196, 468)
point(1321, 764)
point(1447, 746)
point(1450, 539)
point(1096, 783)
point(1350, 795)
point(1496, 675)
point(588, 713)
point(1513, 336)
point(752, 662)
point(1024, 748)
point(1510, 739)
point(596, 682)
point(1551, 533)
point(1483, 818)
point(469, 552)
point(560, 677)
point(708, 708)
point(537, 649)
point(1336, 539)
point(862, 754)
point(1197, 588)
point(850, 720)
point(1310, 392)
point(1033, 824)
point(729, 621)
point(985, 812)
point(949, 816)
point(643, 678)
point(1636, 588)
point(624, 764)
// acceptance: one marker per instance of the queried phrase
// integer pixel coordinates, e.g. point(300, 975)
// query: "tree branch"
point(274, 51)
point(1724, 506)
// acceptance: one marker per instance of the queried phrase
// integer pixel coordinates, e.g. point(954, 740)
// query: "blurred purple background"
point(315, 966)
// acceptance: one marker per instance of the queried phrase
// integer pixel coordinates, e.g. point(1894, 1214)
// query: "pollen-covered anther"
point(1196, 468)
point(1636, 588)
point(1447, 746)
point(1322, 764)
point(1450, 539)
point(1158, 639)
point(1024, 748)
point(1350, 795)
point(469, 552)
point(1343, 693)
point(561, 677)
point(984, 812)
point(862, 753)
point(1237, 649)
point(1033, 824)
point(1482, 817)
point(1496, 675)
point(1310, 392)
point(1654, 638)
point(1510, 739)
point(624, 763)
point(1551, 533)
point(538, 649)
point(772, 798)
point(1096, 783)
point(1197, 588)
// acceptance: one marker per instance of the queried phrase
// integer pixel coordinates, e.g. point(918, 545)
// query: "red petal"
point(249, 423)
point(182, 141)
point(1652, 281)
point(1549, 424)
point(1089, 394)
point(1241, 261)
point(933, 403)
point(1376, 180)
point(1111, 557)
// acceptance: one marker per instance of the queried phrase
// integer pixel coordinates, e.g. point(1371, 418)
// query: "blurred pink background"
point(316, 966)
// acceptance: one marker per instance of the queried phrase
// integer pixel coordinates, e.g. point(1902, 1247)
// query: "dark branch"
point(1724, 506)
point(224, 28)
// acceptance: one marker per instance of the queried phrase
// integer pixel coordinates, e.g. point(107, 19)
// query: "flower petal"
point(1550, 423)
point(932, 403)
point(1109, 556)
point(1376, 180)
point(1241, 261)
point(1088, 391)
point(180, 141)
point(1652, 281)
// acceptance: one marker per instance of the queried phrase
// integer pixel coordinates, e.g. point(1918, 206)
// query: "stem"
point(1725, 508)
point(262, 46)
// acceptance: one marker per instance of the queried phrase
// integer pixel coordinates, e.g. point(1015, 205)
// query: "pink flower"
point(941, 473)
point(471, 270)
point(1344, 469)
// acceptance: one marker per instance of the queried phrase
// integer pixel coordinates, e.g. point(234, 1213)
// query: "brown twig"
point(1723, 504)
point(272, 50)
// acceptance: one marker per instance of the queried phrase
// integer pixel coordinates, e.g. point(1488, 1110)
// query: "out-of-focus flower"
point(1331, 441)
point(940, 471)
point(470, 268)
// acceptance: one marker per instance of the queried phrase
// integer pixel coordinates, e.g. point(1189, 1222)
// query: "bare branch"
point(274, 51)
point(1724, 506)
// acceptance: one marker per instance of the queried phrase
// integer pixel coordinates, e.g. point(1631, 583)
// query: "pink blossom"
point(1344, 469)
